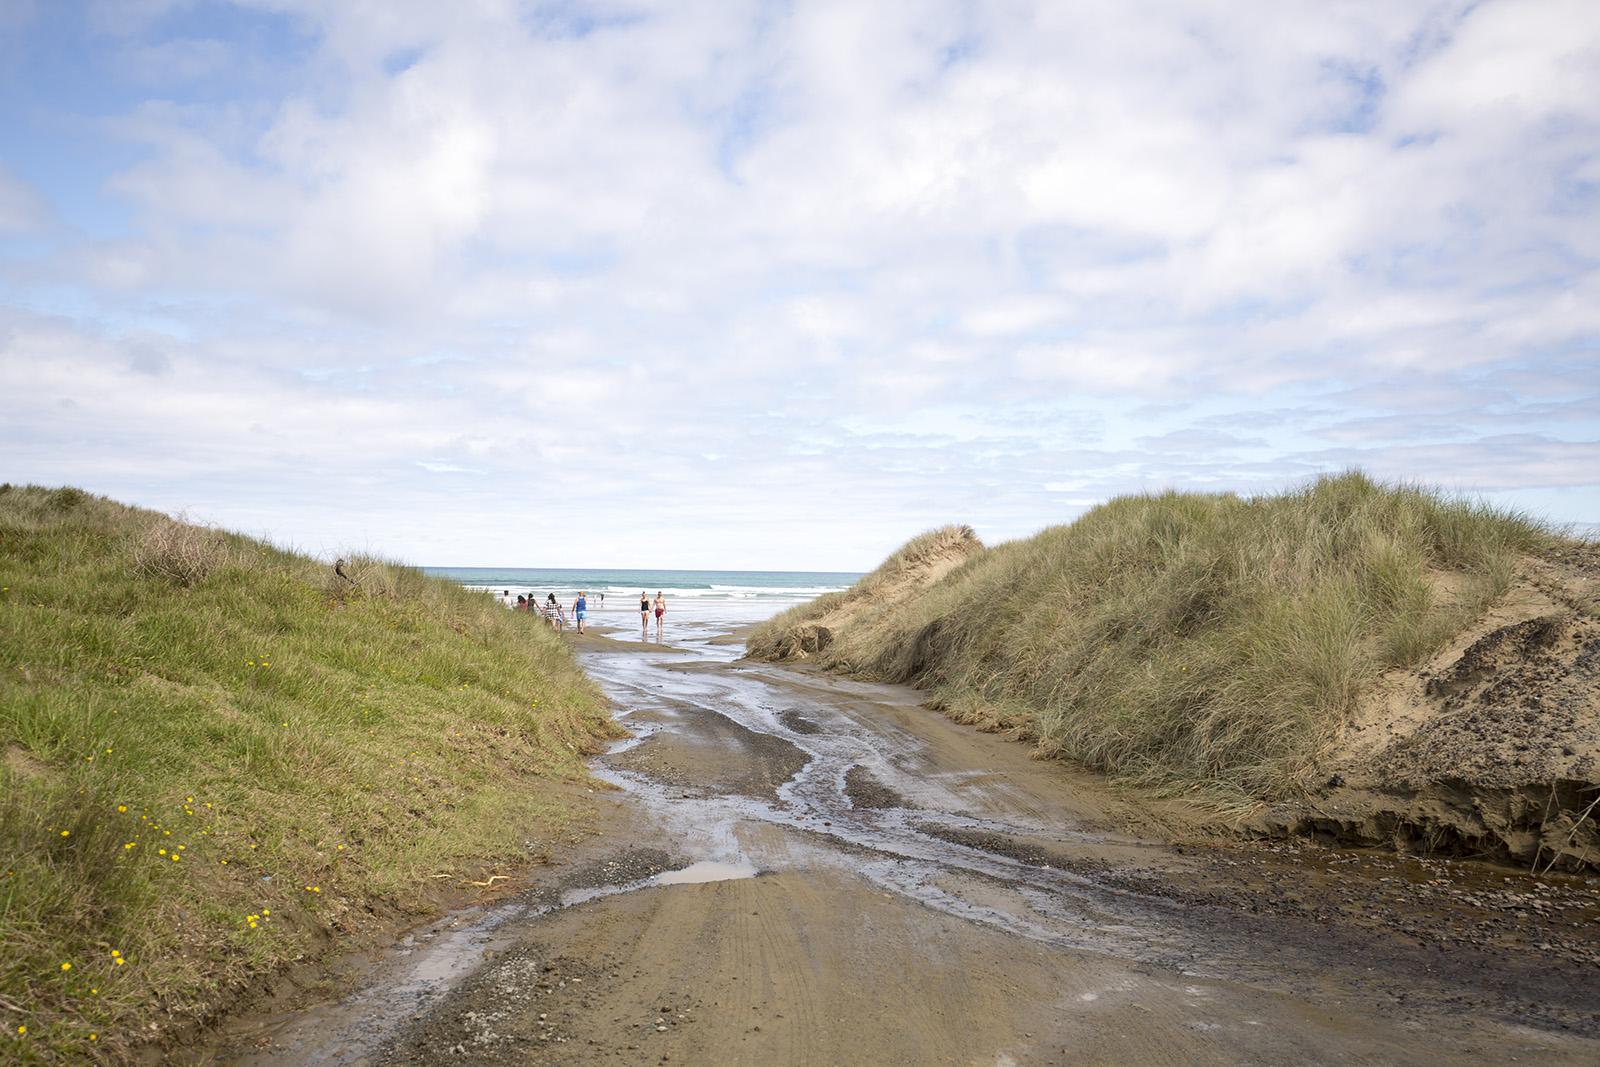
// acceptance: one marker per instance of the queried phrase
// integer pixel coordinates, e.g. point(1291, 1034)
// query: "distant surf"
point(748, 595)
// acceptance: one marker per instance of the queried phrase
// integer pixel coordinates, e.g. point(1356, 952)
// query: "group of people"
point(551, 609)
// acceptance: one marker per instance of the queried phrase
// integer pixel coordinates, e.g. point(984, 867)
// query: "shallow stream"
point(740, 770)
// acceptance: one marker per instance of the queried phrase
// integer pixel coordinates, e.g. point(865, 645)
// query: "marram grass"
point(215, 753)
point(1193, 643)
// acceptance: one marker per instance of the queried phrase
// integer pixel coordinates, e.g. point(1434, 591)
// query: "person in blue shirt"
point(580, 610)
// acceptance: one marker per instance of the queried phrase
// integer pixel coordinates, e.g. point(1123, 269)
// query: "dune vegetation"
point(1200, 644)
point(220, 756)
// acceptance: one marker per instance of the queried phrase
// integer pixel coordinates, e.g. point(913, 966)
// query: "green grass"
point(1202, 644)
point(217, 756)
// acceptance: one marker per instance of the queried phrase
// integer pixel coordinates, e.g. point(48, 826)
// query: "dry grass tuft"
point(180, 552)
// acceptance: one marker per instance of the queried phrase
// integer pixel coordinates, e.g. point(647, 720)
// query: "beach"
point(783, 866)
point(730, 596)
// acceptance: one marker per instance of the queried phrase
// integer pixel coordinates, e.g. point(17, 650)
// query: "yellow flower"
point(66, 966)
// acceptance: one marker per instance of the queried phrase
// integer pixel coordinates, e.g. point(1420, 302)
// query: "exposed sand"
point(1492, 748)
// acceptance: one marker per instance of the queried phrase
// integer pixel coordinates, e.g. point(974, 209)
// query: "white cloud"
point(22, 208)
point(789, 283)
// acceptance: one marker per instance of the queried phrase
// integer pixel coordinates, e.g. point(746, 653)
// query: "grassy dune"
point(217, 754)
point(1192, 643)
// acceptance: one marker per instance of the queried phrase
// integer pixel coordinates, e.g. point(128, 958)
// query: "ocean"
point(742, 596)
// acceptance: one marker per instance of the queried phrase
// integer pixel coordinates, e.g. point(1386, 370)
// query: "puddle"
point(420, 971)
point(707, 871)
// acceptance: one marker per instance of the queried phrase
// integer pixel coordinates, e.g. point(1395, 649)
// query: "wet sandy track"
point(928, 894)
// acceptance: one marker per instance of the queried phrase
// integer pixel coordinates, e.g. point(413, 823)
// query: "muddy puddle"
point(798, 867)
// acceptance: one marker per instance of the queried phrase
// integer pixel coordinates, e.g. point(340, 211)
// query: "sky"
point(780, 285)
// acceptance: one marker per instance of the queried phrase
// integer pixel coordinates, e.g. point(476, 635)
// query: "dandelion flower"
point(66, 966)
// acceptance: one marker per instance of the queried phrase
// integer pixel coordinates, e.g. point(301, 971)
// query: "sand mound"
point(1491, 749)
point(921, 563)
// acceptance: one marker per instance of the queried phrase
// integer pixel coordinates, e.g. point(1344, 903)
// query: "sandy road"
point(924, 894)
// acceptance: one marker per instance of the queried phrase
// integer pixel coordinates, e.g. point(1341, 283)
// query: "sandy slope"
point(1492, 748)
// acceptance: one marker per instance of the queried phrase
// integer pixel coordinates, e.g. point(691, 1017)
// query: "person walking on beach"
point(580, 609)
point(644, 614)
point(661, 609)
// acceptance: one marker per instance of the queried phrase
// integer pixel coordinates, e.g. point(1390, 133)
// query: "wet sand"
point(926, 894)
